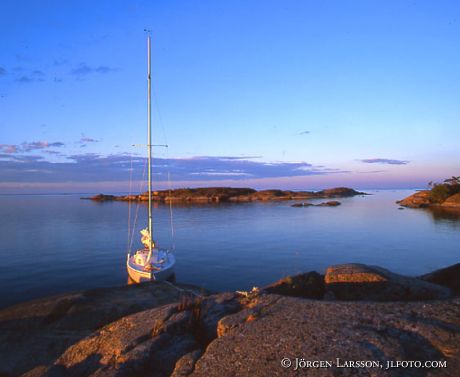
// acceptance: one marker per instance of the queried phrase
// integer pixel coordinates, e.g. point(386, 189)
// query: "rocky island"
point(230, 195)
point(441, 195)
point(353, 312)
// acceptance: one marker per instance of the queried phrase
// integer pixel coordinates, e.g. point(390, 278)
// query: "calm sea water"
point(59, 243)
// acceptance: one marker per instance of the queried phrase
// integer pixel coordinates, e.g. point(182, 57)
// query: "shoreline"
point(423, 199)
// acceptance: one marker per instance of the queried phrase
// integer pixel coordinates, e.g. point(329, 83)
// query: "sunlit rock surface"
point(423, 199)
point(159, 329)
point(36, 333)
point(287, 327)
point(452, 201)
point(420, 199)
point(355, 281)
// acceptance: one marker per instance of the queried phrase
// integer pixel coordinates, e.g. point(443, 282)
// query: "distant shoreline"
point(229, 195)
point(124, 193)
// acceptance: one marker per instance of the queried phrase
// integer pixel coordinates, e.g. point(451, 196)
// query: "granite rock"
point(361, 282)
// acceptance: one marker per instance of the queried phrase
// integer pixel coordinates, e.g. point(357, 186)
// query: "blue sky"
point(286, 94)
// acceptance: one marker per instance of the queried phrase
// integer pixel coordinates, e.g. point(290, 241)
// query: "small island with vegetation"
point(229, 194)
point(440, 195)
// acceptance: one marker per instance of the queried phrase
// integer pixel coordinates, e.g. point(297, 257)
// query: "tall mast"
point(149, 143)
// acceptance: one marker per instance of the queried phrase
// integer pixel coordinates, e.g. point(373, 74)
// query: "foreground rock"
point(309, 285)
point(230, 335)
point(448, 277)
point(254, 341)
point(150, 342)
point(38, 332)
point(361, 282)
point(230, 194)
point(158, 329)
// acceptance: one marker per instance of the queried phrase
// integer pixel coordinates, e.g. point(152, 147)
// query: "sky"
point(264, 94)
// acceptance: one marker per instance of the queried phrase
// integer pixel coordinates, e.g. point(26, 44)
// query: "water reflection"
point(446, 215)
point(171, 279)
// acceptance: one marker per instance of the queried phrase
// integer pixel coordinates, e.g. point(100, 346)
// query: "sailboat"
point(151, 262)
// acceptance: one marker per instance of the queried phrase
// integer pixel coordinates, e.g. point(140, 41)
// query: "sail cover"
point(145, 239)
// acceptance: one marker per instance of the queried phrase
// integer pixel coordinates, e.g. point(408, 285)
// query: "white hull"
point(154, 270)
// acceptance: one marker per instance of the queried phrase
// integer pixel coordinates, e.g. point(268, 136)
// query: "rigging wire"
point(142, 183)
point(171, 222)
point(129, 201)
point(160, 121)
